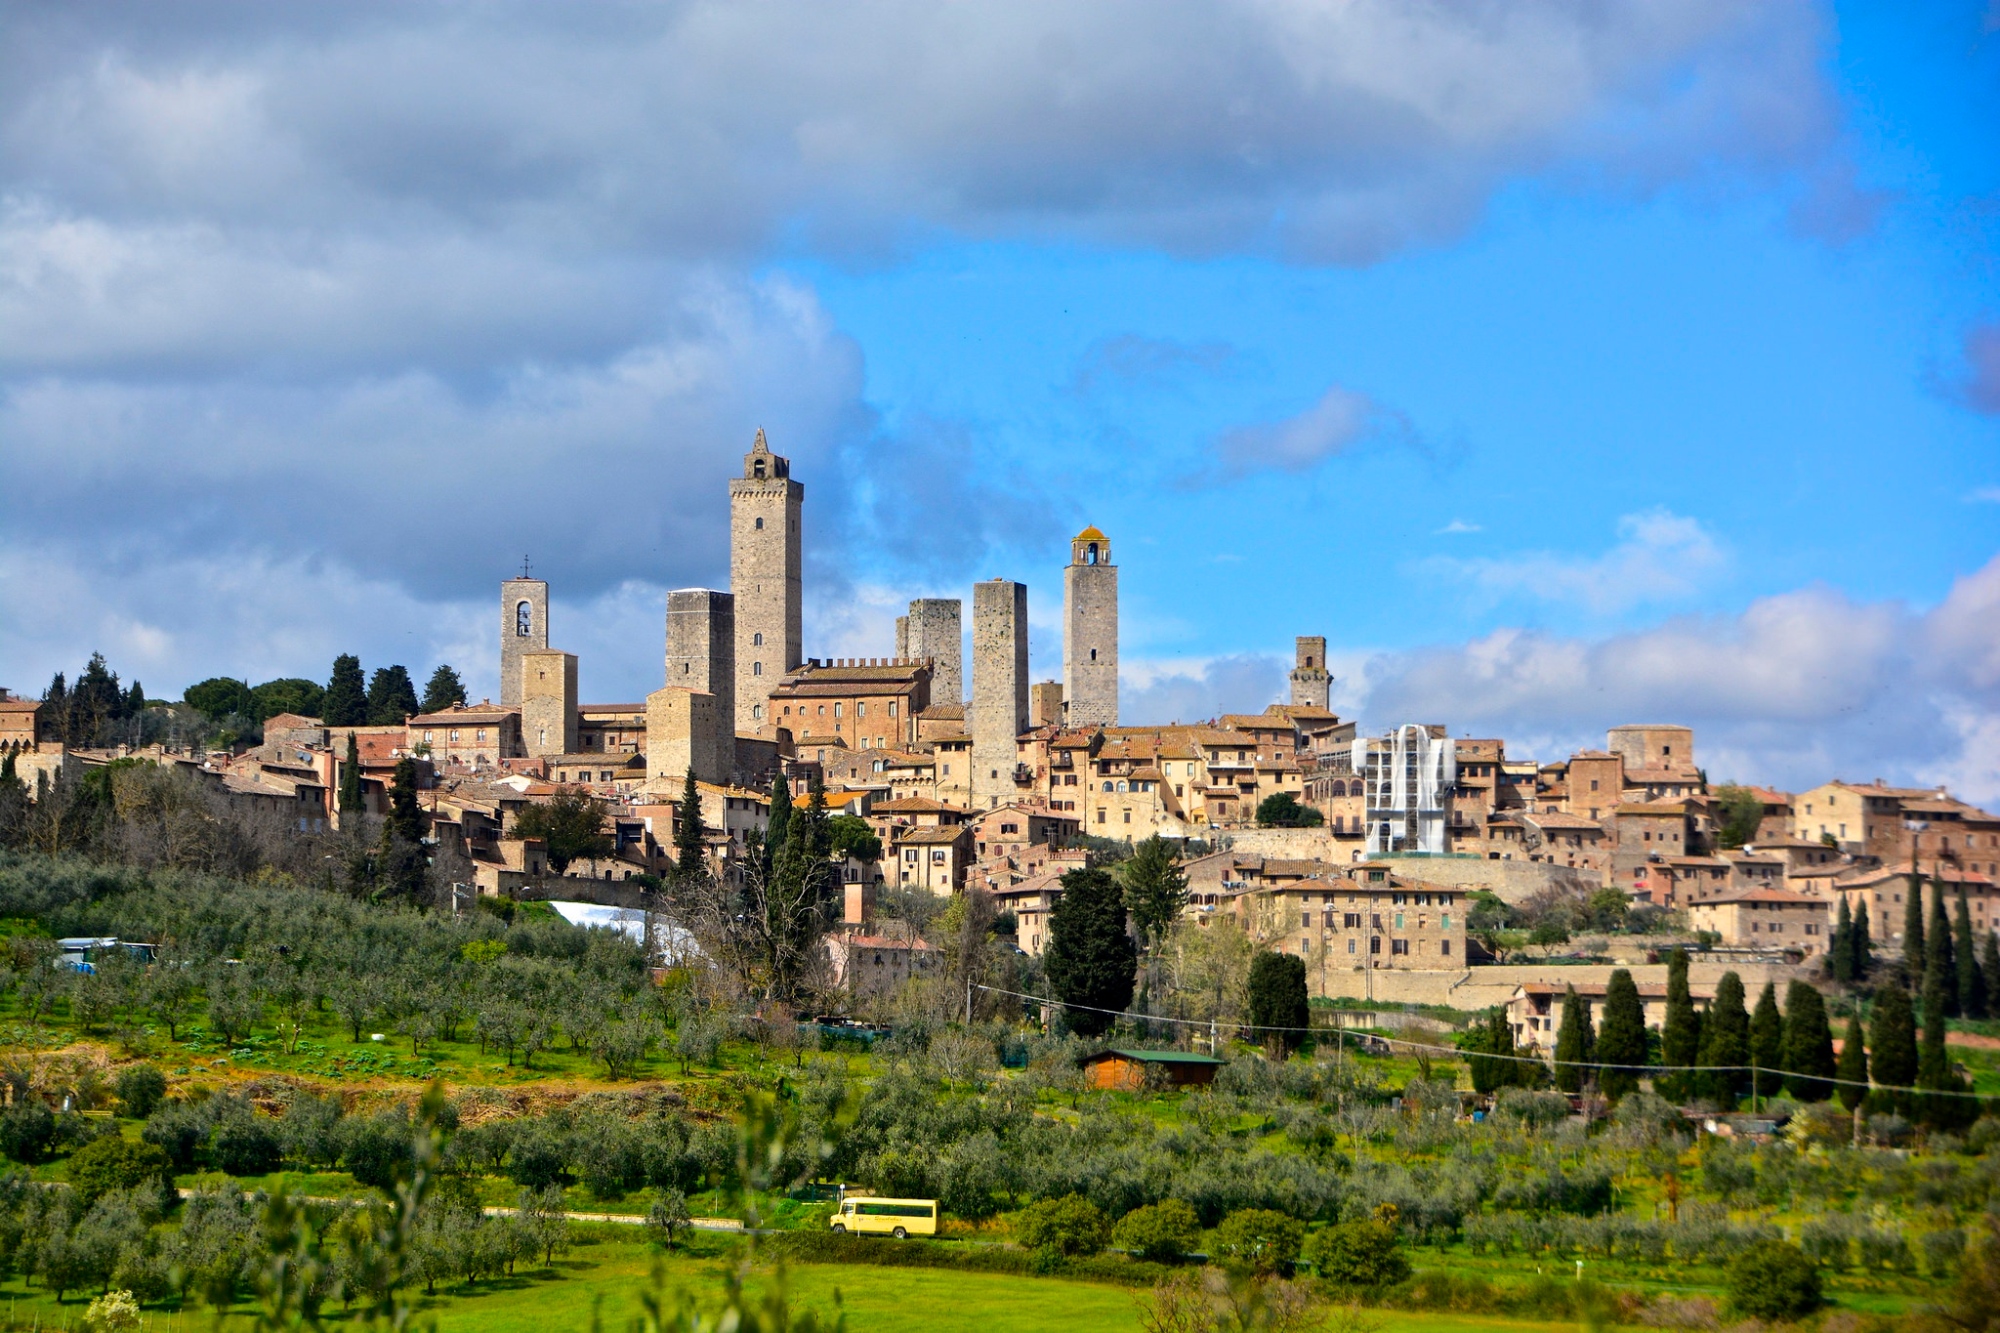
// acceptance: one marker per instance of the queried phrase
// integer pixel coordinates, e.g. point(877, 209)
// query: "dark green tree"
point(1621, 1037)
point(1489, 1049)
point(1913, 928)
point(1808, 1044)
point(571, 823)
point(1280, 1011)
point(1089, 960)
point(288, 694)
point(690, 845)
point(1725, 1044)
point(1155, 889)
point(1767, 1044)
point(1576, 1043)
point(1853, 1067)
point(1841, 955)
point(406, 816)
point(1933, 1061)
point(95, 700)
point(54, 722)
point(345, 703)
point(442, 690)
point(1774, 1280)
point(218, 697)
point(1989, 968)
point(1284, 811)
point(853, 837)
point(1894, 1044)
point(1863, 948)
point(1971, 981)
point(1680, 1033)
point(778, 828)
point(350, 780)
point(1938, 953)
point(1739, 811)
point(135, 700)
point(392, 697)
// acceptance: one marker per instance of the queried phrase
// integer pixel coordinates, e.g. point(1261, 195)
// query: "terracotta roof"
point(887, 942)
point(917, 805)
point(941, 835)
point(458, 715)
point(1561, 821)
point(942, 713)
point(583, 709)
point(1781, 896)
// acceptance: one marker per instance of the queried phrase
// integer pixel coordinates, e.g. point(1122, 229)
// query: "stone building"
point(1312, 685)
point(1764, 919)
point(999, 687)
point(681, 730)
point(1045, 704)
point(548, 703)
point(863, 703)
point(1090, 633)
point(765, 578)
point(701, 655)
point(1653, 745)
point(1340, 922)
point(611, 728)
point(524, 628)
point(470, 736)
point(934, 631)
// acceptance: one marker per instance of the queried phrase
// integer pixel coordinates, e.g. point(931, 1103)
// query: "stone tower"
point(1311, 684)
point(548, 702)
point(1045, 703)
point(1090, 632)
point(999, 687)
point(701, 656)
point(765, 578)
point(935, 629)
point(524, 628)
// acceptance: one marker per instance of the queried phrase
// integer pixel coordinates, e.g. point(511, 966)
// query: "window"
point(757, 711)
point(1351, 942)
point(1444, 948)
point(756, 668)
point(861, 710)
point(760, 522)
point(1306, 920)
point(892, 708)
point(756, 641)
point(480, 736)
point(1399, 947)
point(836, 710)
point(524, 619)
point(1093, 654)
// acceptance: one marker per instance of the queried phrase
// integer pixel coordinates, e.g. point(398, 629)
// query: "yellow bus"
point(901, 1218)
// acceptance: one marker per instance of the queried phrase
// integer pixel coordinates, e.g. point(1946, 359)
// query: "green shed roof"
point(1158, 1057)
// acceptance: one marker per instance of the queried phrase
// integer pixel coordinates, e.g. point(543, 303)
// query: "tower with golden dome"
point(1090, 632)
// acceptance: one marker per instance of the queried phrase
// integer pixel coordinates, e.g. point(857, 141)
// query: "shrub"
point(1774, 1280)
point(27, 1128)
point(1069, 1226)
point(538, 1158)
point(1358, 1254)
point(377, 1149)
point(112, 1163)
point(1162, 1231)
point(245, 1144)
point(177, 1129)
point(140, 1088)
point(1260, 1239)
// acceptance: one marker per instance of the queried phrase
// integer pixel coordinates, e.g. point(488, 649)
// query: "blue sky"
point(1564, 365)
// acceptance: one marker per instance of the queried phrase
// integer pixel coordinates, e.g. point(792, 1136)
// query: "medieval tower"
point(765, 579)
point(935, 631)
point(1312, 686)
point(999, 687)
point(701, 656)
point(524, 628)
point(548, 702)
point(1090, 632)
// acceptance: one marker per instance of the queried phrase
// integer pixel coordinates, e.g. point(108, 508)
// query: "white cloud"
point(1984, 495)
point(1197, 688)
point(1456, 526)
point(1662, 557)
point(1340, 420)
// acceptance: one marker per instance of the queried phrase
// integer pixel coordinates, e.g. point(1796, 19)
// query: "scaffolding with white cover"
point(1409, 774)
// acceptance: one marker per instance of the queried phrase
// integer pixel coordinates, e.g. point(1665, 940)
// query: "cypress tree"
point(1971, 984)
point(1280, 1008)
point(1913, 928)
point(1576, 1042)
point(1863, 950)
point(780, 826)
point(1895, 1041)
point(1933, 1061)
point(1725, 1044)
point(1621, 1040)
point(443, 690)
point(406, 817)
point(392, 697)
point(1990, 968)
point(1853, 1068)
point(1680, 1034)
point(1938, 960)
point(689, 849)
point(1767, 1044)
point(346, 701)
point(1809, 1059)
point(1841, 956)
point(1089, 960)
point(350, 780)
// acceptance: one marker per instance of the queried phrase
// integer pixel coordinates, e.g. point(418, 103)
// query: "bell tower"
point(765, 577)
point(524, 628)
point(1090, 632)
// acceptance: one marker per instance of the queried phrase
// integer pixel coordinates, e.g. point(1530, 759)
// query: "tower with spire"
point(766, 578)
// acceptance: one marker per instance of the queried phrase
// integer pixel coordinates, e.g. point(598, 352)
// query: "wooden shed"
point(1125, 1070)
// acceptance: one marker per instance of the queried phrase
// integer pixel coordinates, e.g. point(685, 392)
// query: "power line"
point(1482, 1055)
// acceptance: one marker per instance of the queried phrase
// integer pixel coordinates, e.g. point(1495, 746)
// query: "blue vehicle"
point(80, 951)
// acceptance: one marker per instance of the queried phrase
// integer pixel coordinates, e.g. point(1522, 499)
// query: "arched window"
point(756, 668)
point(760, 522)
point(1309, 661)
point(756, 641)
point(757, 711)
point(524, 619)
point(1093, 654)
point(1090, 554)
point(757, 470)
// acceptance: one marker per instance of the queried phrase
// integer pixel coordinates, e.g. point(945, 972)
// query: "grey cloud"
point(1981, 389)
point(1341, 420)
point(1133, 360)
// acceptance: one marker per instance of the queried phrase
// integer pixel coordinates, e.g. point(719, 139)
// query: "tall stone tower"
point(999, 687)
point(765, 578)
point(935, 629)
point(548, 702)
point(1312, 686)
point(1090, 632)
point(524, 628)
point(701, 656)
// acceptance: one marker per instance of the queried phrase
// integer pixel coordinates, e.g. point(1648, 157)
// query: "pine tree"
point(1621, 1039)
point(1089, 959)
point(1841, 955)
point(1971, 983)
point(443, 690)
point(1767, 1044)
point(1576, 1043)
point(135, 700)
point(346, 701)
point(392, 698)
point(1938, 958)
point(1725, 1044)
point(1809, 1059)
point(1894, 1043)
point(1853, 1068)
point(1680, 1034)
point(350, 780)
point(1863, 951)
point(690, 847)
point(1156, 890)
point(1913, 926)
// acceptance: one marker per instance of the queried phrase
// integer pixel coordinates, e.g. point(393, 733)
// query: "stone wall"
point(1045, 703)
point(1511, 881)
point(513, 643)
point(681, 727)
point(548, 703)
point(1478, 988)
point(999, 687)
point(935, 629)
point(701, 656)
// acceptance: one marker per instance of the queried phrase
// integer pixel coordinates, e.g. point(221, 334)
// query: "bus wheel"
point(840, 1228)
point(901, 1234)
